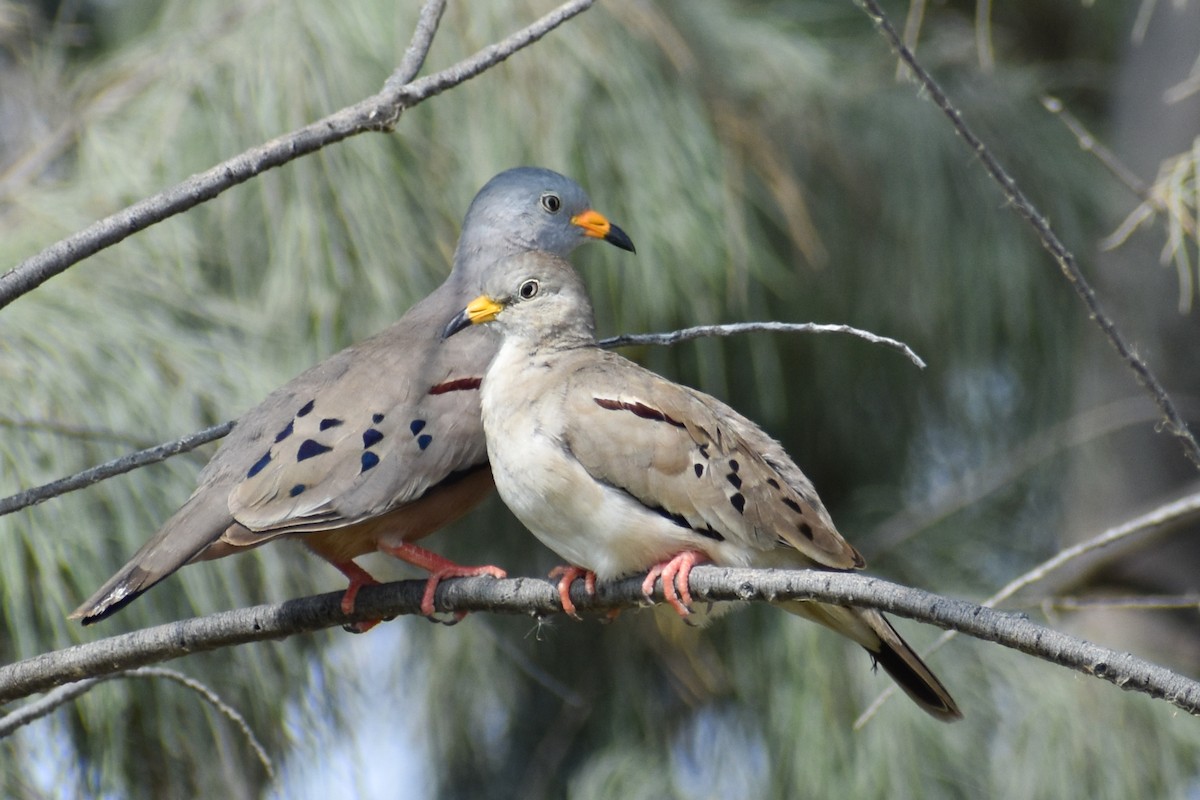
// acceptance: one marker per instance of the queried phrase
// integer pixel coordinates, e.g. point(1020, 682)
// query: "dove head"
point(534, 297)
point(526, 209)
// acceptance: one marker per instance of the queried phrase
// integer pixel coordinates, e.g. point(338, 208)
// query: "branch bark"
point(536, 597)
point(379, 112)
point(1173, 420)
point(109, 469)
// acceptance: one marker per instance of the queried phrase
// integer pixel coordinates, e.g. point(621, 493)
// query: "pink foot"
point(439, 569)
point(675, 573)
point(359, 578)
point(567, 576)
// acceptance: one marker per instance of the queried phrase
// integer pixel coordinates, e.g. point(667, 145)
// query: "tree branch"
point(39, 708)
point(379, 112)
point(730, 329)
point(1066, 260)
point(536, 597)
point(109, 469)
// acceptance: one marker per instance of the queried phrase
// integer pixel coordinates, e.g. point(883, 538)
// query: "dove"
point(620, 471)
point(382, 443)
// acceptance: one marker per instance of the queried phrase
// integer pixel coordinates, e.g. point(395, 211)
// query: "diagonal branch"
point(377, 113)
point(1066, 260)
point(537, 597)
point(109, 469)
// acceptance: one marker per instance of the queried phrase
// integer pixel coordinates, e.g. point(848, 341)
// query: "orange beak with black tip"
point(597, 226)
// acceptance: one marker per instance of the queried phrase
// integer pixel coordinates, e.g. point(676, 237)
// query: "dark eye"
point(551, 202)
point(528, 289)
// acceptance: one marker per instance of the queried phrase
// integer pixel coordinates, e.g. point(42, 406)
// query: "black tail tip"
point(924, 689)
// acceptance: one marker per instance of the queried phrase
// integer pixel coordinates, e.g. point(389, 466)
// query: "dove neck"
point(532, 337)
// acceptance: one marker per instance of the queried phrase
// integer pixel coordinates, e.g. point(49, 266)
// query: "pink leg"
point(439, 569)
point(567, 576)
point(675, 572)
point(358, 578)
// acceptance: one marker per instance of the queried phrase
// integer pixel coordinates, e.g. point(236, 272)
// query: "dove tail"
point(192, 529)
point(871, 629)
point(120, 590)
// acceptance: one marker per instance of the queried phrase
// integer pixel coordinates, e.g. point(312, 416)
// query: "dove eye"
point(551, 202)
point(528, 289)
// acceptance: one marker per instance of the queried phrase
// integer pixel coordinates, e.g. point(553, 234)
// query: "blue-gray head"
point(529, 208)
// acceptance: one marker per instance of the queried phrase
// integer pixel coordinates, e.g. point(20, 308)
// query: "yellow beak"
point(597, 226)
point(480, 310)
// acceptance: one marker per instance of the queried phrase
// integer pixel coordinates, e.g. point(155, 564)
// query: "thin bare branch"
point(117, 466)
point(214, 699)
point(537, 597)
point(686, 334)
point(418, 48)
point(70, 431)
point(377, 113)
point(1149, 602)
point(974, 485)
point(36, 709)
point(1089, 144)
point(1168, 514)
point(1066, 260)
point(983, 35)
point(64, 694)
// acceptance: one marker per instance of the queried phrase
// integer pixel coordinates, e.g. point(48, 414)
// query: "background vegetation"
point(768, 165)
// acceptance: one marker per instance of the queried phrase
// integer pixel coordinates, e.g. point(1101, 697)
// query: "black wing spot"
point(734, 465)
point(297, 489)
point(369, 460)
point(330, 422)
point(793, 505)
point(699, 470)
point(259, 465)
point(371, 437)
point(286, 432)
point(806, 530)
point(774, 484)
point(311, 448)
point(734, 479)
point(739, 502)
point(704, 450)
point(678, 519)
point(377, 418)
point(423, 440)
point(306, 408)
point(416, 426)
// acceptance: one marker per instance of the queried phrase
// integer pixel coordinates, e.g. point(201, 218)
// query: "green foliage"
point(768, 166)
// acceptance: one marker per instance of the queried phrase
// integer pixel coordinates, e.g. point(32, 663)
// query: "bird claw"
point(567, 576)
point(451, 570)
point(675, 573)
point(439, 569)
point(358, 578)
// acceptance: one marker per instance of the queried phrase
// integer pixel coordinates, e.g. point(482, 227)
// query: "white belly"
point(587, 523)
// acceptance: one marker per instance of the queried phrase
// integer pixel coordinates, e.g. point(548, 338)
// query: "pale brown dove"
point(380, 444)
point(620, 471)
